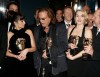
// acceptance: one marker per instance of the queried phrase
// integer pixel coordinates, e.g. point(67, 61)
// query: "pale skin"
point(68, 15)
point(22, 54)
point(80, 19)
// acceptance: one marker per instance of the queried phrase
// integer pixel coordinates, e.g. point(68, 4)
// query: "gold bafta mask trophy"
point(48, 46)
point(20, 43)
point(74, 40)
point(86, 42)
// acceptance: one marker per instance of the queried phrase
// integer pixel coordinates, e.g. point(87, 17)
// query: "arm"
point(88, 34)
point(8, 53)
point(69, 56)
point(23, 53)
point(33, 46)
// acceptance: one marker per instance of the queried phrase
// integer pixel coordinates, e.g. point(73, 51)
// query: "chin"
point(43, 25)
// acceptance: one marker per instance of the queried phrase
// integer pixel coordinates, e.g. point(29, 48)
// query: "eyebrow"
point(42, 18)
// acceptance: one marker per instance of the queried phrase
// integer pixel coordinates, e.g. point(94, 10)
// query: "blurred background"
point(27, 7)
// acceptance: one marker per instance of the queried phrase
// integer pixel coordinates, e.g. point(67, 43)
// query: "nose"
point(24, 22)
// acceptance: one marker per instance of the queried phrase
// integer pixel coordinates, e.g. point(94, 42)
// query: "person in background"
point(86, 8)
point(68, 14)
point(90, 21)
point(36, 17)
point(59, 15)
point(10, 9)
point(21, 45)
point(52, 45)
point(13, 6)
point(94, 65)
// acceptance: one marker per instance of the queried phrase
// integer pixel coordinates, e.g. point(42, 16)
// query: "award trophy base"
point(86, 56)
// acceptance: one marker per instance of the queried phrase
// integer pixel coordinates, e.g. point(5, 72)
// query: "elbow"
point(34, 49)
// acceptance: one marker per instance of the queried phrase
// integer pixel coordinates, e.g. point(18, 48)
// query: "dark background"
point(27, 7)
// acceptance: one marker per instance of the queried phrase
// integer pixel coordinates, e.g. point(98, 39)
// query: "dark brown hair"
point(16, 17)
point(12, 3)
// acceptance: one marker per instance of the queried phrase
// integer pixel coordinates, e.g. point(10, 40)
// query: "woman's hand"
point(69, 56)
point(22, 55)
point(44, 54)
point(88, 49)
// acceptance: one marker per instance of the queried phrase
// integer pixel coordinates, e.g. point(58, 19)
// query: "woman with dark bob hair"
point(21, 46)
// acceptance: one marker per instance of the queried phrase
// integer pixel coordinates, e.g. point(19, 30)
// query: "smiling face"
point(44, 18)
point(59, 15)
point(80, 17)
point(68, 14)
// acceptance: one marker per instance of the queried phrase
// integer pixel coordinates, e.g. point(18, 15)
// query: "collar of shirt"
point(67, 22)
point(9, 24)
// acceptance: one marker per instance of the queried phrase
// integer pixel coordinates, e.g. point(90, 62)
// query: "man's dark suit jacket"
point(3, 41)
point(96, 44)
point(58, 48)
point(94, 64)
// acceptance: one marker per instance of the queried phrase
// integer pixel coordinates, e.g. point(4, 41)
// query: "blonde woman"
point(76, 64)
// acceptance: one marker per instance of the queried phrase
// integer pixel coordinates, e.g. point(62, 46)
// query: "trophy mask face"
point(20, 43)
point(74, 39)
point(49, 42)
point(87, 41)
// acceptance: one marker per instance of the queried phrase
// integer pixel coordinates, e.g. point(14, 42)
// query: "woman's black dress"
point(19, 41)
point(77, 67)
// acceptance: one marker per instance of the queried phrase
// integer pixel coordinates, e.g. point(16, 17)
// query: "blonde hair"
point(85, 15)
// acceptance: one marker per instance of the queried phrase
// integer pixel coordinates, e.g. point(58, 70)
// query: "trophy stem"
point(43, 72)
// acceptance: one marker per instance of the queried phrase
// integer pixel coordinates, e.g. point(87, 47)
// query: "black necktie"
point(67, 25)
